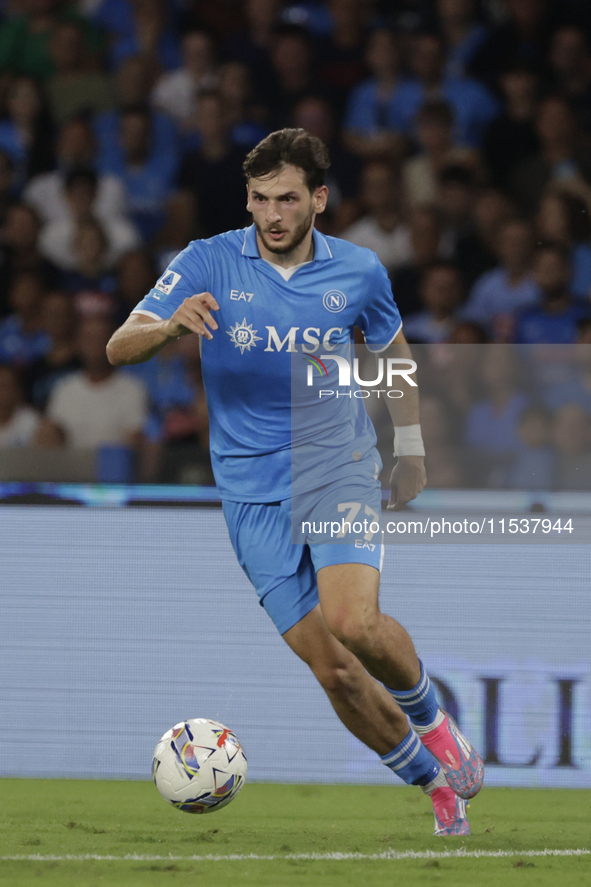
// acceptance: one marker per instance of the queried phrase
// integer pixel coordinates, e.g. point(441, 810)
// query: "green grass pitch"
point(43, 822)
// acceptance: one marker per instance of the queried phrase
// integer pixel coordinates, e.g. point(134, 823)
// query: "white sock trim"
point(439, 782)
point(439, 719)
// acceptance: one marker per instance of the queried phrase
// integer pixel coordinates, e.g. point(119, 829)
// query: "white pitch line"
point(312, 857)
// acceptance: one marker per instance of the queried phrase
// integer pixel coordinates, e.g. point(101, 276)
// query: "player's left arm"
point(408, 477)
point(380, 322)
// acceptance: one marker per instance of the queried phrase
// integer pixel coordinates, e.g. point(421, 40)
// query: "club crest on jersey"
point(166, 284)
point(334, 301)
point(243, 336)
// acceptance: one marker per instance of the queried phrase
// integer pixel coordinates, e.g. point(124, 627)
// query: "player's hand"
point(194, 316)
point(407, 480)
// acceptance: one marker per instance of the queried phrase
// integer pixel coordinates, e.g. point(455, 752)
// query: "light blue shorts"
point(283, 572)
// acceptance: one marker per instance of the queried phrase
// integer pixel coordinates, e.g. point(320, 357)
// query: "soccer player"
point(255, 297)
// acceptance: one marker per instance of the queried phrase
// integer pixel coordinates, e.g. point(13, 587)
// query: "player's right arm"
point(143, 336)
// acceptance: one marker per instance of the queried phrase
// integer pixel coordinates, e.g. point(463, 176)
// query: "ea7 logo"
point(362, 543)
point(237, 296)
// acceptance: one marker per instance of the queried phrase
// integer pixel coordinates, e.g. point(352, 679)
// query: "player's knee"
point(336, 679)
point(354, 630)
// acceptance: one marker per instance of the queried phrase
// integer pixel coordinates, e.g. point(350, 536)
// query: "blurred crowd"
point(460, 139)
point(502, 416)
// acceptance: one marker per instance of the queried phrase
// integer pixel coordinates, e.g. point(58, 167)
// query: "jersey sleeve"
point(187, 275)
point(380, 320)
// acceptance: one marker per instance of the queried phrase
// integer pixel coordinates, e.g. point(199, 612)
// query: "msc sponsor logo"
point(334, 301)
point(312, 337)
point(243, 336)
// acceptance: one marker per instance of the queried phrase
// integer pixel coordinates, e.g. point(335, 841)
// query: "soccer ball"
point(199, 766)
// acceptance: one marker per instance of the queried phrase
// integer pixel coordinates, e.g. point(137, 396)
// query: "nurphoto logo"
point(387, 370)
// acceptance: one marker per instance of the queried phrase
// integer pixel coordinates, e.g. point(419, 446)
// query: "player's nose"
point(273, 214)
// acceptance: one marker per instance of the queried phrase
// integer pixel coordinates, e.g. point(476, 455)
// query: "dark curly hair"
point(294, 147)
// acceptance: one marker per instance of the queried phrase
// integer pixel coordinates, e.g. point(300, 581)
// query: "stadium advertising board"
point(117, 622)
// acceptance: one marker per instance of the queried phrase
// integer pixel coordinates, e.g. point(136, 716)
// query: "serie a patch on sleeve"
point(166, 284)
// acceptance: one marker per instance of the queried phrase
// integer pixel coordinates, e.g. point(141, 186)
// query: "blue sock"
point(412, 761)
point(419, 703)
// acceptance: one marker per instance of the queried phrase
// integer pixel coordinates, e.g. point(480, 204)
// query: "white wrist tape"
point(408, 441)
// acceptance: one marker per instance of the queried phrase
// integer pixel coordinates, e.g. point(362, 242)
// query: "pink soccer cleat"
point(461, 764)
point(450, 813)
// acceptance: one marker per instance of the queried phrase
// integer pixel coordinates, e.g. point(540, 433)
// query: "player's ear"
point(248, 209)
point(320, 198)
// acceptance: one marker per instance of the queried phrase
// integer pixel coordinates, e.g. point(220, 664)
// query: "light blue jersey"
point(263, 321)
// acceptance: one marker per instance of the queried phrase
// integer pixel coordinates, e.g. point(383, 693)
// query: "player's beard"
point(281, 249)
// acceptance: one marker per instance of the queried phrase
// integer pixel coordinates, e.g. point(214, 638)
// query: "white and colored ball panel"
point(199, 766)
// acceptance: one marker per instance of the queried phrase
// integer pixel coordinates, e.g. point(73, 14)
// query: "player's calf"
point(378, 641)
